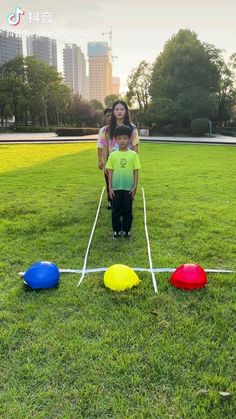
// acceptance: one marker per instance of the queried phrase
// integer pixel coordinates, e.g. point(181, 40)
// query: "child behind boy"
point(123, 166)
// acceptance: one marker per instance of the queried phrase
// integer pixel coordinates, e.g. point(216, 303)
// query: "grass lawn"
point(91, 353)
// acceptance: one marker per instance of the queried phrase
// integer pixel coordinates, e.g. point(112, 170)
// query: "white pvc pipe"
point(87, 271)
point(78, 271)
point(90, 239)
point(148, 244)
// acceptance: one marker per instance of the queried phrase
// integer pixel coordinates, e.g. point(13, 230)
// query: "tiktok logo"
point(14, 18)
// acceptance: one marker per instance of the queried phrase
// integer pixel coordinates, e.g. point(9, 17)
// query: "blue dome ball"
point(42, 275)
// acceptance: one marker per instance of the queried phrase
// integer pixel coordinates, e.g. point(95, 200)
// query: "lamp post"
point(210, 128)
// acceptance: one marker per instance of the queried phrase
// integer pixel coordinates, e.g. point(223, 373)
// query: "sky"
point(140, 28)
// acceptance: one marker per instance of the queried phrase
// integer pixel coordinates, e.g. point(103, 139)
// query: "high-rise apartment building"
point(10, 46)
point(100, 70)
point(42, 48)
point(115, 86)
point(74, 65)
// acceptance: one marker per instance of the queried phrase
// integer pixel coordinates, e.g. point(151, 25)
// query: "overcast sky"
point(140, 28)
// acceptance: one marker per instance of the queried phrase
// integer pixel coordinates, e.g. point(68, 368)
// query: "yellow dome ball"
point(120, 278)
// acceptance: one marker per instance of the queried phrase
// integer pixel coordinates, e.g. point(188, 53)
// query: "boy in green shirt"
point(123, 166)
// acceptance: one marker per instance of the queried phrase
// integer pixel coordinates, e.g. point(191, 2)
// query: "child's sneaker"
point(127, 235)
point(116, 234)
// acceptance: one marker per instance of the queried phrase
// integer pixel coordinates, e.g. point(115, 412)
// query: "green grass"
point(91, 353)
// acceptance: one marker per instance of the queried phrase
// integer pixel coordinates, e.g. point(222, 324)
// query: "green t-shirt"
point(123, 164)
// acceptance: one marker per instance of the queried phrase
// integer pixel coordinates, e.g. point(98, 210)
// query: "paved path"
point(44, 137)
point(51, 138)
point(215, 140)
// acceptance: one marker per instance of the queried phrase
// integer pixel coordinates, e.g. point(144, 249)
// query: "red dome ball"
point(189, 277)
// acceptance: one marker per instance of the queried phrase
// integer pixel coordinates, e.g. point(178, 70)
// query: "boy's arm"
point(110, 174)
point(134, 189)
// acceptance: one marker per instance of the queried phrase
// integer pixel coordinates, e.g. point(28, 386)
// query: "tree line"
point(35, 94)
point(189, 79)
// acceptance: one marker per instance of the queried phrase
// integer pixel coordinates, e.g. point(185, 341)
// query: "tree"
point(5, 110)
point(13, 87)
point(163, 111)
point(110, 99)
point(226, 89)
point(139, 84)
point(83, 112)
point(186, 78)
point(183, 64)
point(58, 103)
point(98, 106)
point(29, 87)
point(232, 65)
point(195, 103)
point(41, 79)
point(226, 96)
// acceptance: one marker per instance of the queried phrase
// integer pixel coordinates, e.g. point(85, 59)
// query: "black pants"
point(107, 185)
point(122, 216)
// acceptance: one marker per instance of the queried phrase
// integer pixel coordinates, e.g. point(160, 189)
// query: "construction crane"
point(113, 57)
point(110, 36)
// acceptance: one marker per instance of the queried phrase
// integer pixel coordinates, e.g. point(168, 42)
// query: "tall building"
point(100, 70)
point(87, 88)
point(10, 46)
point(115, 86)
point(42, 48)
point(75, 69)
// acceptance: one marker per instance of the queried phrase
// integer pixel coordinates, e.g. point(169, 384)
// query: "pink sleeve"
point(103, 137)
point(134, 136)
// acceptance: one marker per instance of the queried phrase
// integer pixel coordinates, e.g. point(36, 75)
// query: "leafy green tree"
point(13, 87)
point(139, 85)
point(194, 103)
point(29, 87)
point(41, 79)
point(83, 112)
point(5, 110)
point(232, 65)
point(183, 64)
point(58, 103)
point(186, 80)
point(163, 111)
point(226, 97)
point(110, 99)
point(98, 106)
point(233, 60)
point(126, 99)
point(226, 89)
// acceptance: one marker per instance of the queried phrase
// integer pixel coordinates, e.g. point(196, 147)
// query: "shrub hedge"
point(66, 132)
point(200, 126)
point(30, 128)
point(169, 129)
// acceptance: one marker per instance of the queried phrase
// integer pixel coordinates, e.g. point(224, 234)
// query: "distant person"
point(120, 115)
point(123, 166)
point(107, 117)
